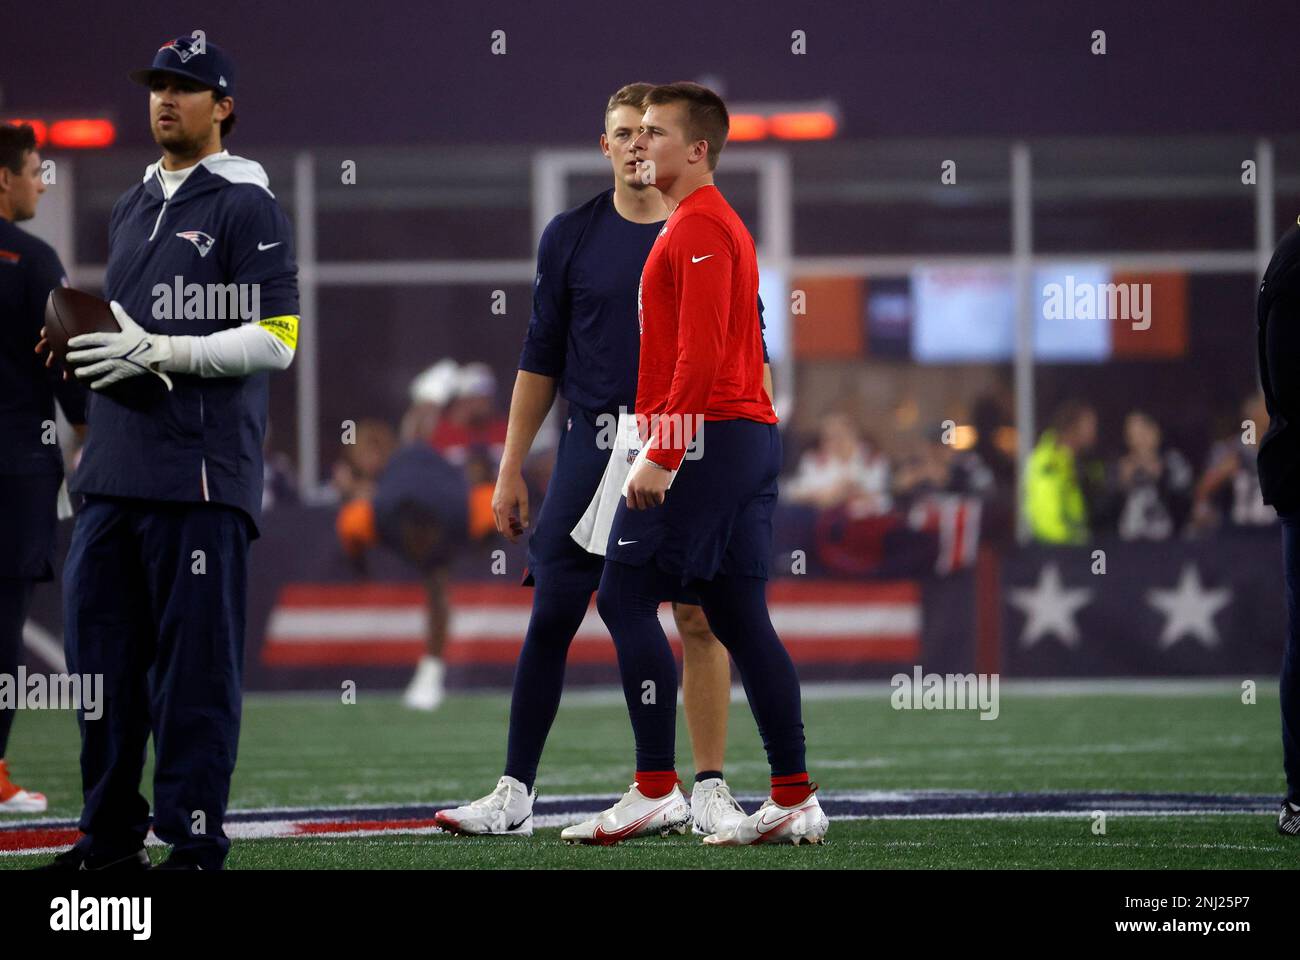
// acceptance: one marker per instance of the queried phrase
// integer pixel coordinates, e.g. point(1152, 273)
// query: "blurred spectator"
point(1151, 487)
point(279, 485)
point(843, 470)
point(355, 472)
point(923, 467)
point(1228, 492)
point(988, 470)
point(353, 478)
point(430, 393)
point(421, 513)
point(472, 432)
point(995, 441)
point(1055, 503)
point(966, 471)
point(413, 501)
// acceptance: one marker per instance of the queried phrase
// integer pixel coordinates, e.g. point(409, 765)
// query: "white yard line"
point(866, 689)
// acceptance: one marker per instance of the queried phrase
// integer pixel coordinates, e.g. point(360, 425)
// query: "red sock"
point(791, 789)
point(657, 783)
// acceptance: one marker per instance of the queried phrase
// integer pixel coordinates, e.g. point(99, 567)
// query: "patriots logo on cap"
point(183, 47)
point(202, 242)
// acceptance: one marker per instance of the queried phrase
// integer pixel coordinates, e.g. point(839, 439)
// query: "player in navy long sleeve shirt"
point(31, 464)
point(712, 531)
point(582, 342)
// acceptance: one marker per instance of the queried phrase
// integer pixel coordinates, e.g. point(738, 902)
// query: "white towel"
point(592, 531)
point(63, 505)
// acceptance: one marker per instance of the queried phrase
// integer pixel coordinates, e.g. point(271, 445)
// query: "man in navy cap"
point(155, 582)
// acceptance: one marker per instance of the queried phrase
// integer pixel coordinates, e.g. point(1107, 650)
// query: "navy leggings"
point(539, 675)
point(628, 601)
point(1290, 681)
point(15, 598)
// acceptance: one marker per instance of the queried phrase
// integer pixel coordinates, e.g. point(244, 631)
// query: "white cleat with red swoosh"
point(634, 815)
point(772, 823)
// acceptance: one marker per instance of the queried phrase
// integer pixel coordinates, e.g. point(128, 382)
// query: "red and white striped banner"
point(375, 624)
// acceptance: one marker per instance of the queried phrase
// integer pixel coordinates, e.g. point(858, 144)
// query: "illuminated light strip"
point(75, 133)
point(784, 120)
point(82, 134)
point(810, 125)
point(747, 126)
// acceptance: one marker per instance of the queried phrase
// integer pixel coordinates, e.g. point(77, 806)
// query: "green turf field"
point(300, 751)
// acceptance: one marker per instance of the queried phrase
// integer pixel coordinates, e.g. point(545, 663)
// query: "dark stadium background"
point(1147, 695)
point(443, 134)
point(406, 72)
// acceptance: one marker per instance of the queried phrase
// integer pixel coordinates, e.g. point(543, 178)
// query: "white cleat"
point(505, 812)
point(772, 823)
point(713, 807)
point(425, 690)
point(14, 799)
point(25, 801)
point(634, 815)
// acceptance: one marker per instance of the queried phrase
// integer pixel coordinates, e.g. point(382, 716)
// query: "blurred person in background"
point(942, 491)
point(421, 513)
point(453, 410)
point(844, 469)
point(993, 459)
point(1228, 492)
point(31, 466)
point(920, 468)
point(410, 499)
point(1150, 486)
point(430, 393)
point(995, 441)
point(1055, 502)
point(362, 461)
point(353, 480)
point(471, 431)
point(279, 484)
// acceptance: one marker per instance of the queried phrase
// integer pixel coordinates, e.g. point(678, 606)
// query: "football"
point(69, 313)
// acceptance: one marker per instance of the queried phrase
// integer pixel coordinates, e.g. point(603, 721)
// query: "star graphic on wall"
point(1049, 608)
point(1189, 609)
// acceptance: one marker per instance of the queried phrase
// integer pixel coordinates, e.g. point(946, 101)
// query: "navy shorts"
point(717, 517)
point(555, 560)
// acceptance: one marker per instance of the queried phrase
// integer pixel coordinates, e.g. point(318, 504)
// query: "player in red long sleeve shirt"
point(701, 379)
point(701, 349)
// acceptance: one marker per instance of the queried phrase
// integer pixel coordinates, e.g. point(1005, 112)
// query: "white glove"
point(117, 356)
